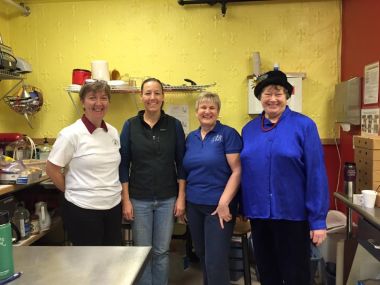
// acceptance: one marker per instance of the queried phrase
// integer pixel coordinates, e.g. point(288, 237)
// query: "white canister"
point(99, 70)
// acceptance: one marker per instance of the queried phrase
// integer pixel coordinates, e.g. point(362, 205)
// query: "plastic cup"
point(369, 198)
point(357, 199)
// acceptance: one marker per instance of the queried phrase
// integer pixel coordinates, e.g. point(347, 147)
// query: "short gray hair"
point(210, 97)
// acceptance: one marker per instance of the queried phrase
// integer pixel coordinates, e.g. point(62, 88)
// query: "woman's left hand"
point(318, 236)
point(223, 212)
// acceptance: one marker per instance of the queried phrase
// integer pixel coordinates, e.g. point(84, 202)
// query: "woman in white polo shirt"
point(88, 150)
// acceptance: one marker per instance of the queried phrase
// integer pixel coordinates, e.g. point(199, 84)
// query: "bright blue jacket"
point(283, 171)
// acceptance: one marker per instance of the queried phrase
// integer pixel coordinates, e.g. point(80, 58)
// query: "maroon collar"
point(91, 127)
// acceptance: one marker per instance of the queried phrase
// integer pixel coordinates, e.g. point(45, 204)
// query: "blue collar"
point(215, 129)
point(267, 122)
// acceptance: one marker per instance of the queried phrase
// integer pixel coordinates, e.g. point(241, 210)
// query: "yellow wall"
point(163, 39)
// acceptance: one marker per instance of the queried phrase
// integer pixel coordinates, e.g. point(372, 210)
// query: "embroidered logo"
point(115, 142)
point(217, 138)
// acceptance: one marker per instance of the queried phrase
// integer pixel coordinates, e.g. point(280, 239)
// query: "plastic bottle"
point(276, 66)
point(21, 218)
point(6, 248)
point(45, 150)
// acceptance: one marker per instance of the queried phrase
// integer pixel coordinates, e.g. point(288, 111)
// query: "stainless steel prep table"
point(368, 233)
point(46, 265)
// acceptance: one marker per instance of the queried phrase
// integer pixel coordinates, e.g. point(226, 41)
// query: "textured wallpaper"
point(163, 39)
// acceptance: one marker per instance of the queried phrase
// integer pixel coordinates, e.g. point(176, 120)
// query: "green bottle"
point(6, 250)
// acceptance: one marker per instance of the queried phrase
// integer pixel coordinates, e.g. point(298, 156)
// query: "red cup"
point(80, 76)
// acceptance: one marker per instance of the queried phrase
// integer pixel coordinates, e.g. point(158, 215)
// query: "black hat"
point(274, 77)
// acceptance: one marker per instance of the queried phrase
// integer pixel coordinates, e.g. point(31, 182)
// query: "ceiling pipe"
point(22, 7)
point(213, 2)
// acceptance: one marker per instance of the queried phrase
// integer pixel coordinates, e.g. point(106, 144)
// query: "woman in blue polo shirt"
point(284, 185)
point(212, 166)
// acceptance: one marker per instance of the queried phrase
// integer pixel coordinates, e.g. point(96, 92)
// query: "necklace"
point(271, 127)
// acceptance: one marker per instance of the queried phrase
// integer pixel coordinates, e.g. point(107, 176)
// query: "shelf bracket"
point(12, 89)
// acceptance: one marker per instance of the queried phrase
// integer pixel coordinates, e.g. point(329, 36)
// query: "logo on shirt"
point(217, 138)
point(115, 142)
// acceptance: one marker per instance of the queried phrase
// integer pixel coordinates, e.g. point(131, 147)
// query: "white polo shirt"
point(92, 165)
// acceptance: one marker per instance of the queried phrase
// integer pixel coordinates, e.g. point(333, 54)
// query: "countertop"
point(46, 265)
point(371, 215)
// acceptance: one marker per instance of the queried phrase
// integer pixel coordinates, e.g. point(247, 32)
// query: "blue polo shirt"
point(283, 171)
point(206, 165)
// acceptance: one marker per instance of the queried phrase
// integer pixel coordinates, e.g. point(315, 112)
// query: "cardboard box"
point(372, 142)
point(366, 185)
point(367, 154)
point(369, 175)
point(377, 203)
point(367, 165)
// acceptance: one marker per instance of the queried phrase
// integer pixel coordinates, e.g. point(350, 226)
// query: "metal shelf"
point(4, 74)
point(132, 89)
point(126, 89)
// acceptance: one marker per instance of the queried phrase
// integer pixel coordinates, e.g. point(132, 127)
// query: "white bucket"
point(99, 70)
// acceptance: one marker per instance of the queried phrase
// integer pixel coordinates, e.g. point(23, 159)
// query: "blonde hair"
point(209, 97)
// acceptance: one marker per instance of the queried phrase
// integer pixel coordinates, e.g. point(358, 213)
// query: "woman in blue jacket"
point(284, 183)
point(212, 165)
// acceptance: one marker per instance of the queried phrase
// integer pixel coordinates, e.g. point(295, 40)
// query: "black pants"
point(92, 227)
point(282, 251)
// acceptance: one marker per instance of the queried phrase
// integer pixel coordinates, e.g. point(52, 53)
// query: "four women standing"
point(283, 179)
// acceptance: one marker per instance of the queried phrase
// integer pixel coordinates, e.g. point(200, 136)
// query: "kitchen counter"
point(371, 215)
point(361, 248)
point(45, 265)
point(9, 188)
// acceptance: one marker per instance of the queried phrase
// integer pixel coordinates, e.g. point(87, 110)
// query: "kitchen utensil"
point(43, 214)
point(79, 76)
point(115, 75)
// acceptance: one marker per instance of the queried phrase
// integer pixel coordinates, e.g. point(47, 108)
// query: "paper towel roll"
point(256, 62)
point(99, 70)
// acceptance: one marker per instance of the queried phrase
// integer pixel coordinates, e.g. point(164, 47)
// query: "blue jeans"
point(211, 242)
point(153, 226)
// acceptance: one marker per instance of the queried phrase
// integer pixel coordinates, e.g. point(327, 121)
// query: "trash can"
point(336, 231)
